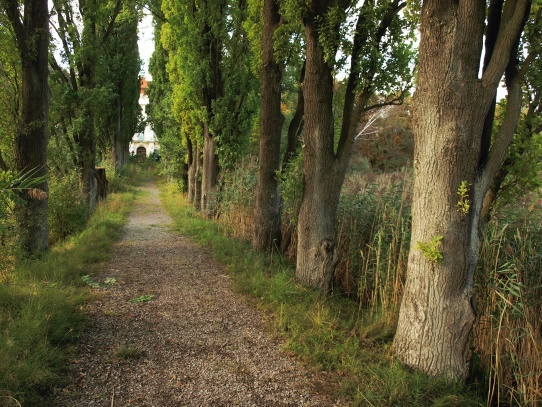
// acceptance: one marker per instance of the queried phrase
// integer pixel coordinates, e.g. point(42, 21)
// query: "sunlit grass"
point(40, 304)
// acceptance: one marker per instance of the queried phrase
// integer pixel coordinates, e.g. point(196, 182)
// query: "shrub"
point(67, 213)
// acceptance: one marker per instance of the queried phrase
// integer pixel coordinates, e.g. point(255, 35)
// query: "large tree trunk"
point(210, 171)
point(191, 190)
point(116, 149)
point(212, 91)
point(32, 35)
point(267, 232)
point(322, 179)
point(323, 168)
point(451, 103)
point(198, 175)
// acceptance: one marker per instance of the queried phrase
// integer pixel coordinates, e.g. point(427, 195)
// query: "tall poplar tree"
point(455, 161)
point(212, 86)
point(160, 112)
point(267, 232)
point(82, 47)
point(30, 24)
point(118, 78)
point(380, 59)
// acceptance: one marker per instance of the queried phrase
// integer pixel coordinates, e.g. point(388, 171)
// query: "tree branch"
point(352, 117)
point(63, 32)
point(392, 102)
point(57, 68)
point(506, 132)
point(109, 30)
point(513, 20)
point(160, 16)
point(12, 10)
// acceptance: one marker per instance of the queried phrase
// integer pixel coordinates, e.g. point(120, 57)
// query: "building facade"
point(144, 144)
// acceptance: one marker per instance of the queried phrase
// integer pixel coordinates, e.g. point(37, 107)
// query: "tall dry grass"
point(373, 237)
point(235, 203)
point(507, 339)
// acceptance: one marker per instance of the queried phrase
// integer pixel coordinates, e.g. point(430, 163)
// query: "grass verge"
point(40, 306)
point(332, 334)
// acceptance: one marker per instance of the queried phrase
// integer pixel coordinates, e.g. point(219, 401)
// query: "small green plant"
point(108, 282)
point(431, 249)
point(142, 298)
point(67, 213)
point(129, 352)
point(463, 205)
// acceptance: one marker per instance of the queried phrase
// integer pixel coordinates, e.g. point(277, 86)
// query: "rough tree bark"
point(451, 104)
point(32, 37)
point(209, 171)
point(191, 170)
point(267, 233)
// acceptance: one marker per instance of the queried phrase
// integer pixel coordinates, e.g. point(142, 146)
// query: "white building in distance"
point(144, 144)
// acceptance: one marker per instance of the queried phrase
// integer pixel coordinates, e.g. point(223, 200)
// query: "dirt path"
point(195, 343)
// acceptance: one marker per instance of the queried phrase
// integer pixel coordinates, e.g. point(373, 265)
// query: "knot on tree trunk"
point(328, 261)
point(326, 247)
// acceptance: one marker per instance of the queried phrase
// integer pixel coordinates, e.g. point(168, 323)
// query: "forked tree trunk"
point(451, 103)
point(323, 168)
point(32, 36)
point(322, 174)
point(267, 232)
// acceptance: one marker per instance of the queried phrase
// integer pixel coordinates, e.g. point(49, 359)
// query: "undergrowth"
point(331, 334)
point(39, 306)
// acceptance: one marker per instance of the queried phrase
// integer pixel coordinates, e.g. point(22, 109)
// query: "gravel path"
point(194, 343)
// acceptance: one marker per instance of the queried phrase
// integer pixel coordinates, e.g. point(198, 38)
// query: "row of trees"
point(70, 71)
point(220, 74)
point(217, 97)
